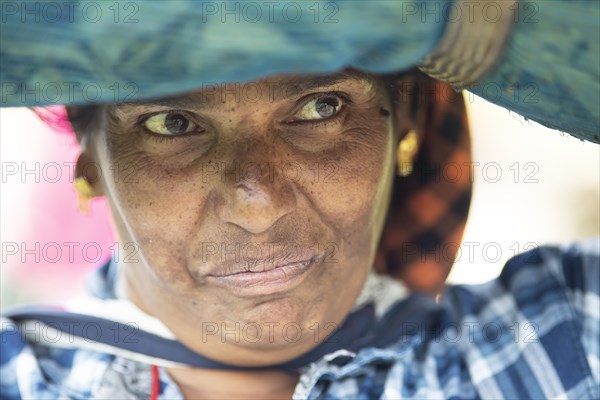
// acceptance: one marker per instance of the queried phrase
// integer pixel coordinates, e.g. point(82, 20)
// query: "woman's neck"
point(200, 383)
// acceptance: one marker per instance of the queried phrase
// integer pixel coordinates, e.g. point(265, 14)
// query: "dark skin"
point(288, 171)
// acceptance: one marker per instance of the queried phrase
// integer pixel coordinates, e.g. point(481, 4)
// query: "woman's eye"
point(320, 108)
point(172, 123)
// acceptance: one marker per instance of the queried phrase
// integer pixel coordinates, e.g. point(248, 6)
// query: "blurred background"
point(532, 186)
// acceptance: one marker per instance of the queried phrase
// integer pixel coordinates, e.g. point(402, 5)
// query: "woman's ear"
point(88, 169)
point(85, 120)
point(404, 101)
point(410, 121)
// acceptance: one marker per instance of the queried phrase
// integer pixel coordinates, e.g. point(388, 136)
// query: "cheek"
point(353, 182)
point(158, 211)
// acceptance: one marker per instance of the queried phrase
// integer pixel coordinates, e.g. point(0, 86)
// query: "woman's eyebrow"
point(181, 101)
point(303, 84)
point(210, 95)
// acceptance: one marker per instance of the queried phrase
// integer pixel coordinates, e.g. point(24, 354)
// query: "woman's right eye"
point(169, 124)
point(320, 108)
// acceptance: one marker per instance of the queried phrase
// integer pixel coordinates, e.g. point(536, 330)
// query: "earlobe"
point(87, 182)
point(408, 124)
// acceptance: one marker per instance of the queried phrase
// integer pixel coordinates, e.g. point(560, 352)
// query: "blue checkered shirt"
point(533, 332)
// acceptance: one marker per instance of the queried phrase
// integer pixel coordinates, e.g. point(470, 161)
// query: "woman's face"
point(249, 214)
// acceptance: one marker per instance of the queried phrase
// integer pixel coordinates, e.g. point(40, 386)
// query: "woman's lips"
point(267, 280)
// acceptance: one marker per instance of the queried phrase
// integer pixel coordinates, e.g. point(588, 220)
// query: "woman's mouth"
point(267, 279)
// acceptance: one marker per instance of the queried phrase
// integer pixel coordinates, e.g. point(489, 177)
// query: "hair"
point(74, 121)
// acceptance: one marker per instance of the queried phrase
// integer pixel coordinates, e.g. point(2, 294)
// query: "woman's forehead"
point(274, 88)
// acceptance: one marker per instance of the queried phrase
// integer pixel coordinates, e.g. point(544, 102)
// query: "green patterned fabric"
point(106, 51)
point(551, 69)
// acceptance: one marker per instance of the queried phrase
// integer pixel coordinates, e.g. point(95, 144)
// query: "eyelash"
point(164, 138)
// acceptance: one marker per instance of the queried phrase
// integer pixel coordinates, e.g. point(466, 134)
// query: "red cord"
point(155, 383)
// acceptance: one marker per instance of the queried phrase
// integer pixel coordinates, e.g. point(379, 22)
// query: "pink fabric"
point(58, 245)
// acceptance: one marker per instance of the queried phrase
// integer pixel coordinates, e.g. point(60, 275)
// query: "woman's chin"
point(253, 350)
point(269, 333)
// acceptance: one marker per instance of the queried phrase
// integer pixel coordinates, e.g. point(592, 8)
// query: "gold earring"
point(407, 149)
point(85, 193)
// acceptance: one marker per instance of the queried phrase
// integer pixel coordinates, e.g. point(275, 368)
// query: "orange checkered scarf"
point(429, 208)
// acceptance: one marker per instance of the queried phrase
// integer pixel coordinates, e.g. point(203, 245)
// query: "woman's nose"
point(256, 201)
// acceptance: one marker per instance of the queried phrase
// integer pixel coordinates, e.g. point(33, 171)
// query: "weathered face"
point(250, 214)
